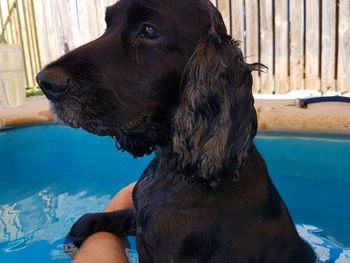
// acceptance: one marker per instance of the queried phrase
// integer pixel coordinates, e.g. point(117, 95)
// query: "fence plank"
point(4, 15)
point(312, 48)
point(252, 39)
point(237, 22)
point(34, 41)
point(266, 46)
point(344, 46)
point(41, 25)
point(224, 7)
point(13, 37)
point(109, 2)
point(296, 64)
point(22, 14)
point(35, 35)
point(75, 30)
point(328, 45)
point(2, 29)
point(48, 19)
point(16, 28)
point(100, 12)
point(281, 46)
point(70, 34)
point(23, 44)
point(7, 20)
point(87, 20)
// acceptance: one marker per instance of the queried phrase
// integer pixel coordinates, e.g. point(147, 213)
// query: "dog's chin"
point(74, 118)
point(91, 126)
point(139, 140)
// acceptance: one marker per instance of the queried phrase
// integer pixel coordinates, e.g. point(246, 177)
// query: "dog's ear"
point(216, 120)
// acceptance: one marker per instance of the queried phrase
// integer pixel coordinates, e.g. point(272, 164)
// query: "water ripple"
point(44, 217)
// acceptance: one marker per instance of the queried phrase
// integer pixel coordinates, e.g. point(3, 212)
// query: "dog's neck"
point(226, 170)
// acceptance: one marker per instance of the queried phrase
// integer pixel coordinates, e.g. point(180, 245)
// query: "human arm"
point(104, 247)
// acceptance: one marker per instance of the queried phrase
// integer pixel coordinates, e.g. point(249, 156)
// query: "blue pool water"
point(50, 175)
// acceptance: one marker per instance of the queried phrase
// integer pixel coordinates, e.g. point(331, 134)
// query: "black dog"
point(166, 77)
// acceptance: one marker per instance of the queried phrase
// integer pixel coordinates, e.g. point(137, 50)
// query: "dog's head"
point(129, 82)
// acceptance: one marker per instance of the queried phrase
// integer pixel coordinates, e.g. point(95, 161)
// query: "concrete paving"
point(36, 110)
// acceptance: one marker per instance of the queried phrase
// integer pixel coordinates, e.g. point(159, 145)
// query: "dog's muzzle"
point(54, 83)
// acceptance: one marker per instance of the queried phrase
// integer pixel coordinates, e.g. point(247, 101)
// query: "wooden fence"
point(18, 26)
point(305, 43)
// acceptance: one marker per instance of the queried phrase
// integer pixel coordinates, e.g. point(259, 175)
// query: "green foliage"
point(33, 91)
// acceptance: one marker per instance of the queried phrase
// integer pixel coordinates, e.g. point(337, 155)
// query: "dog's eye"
point(149, 32)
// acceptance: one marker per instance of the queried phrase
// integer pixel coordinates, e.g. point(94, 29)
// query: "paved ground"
point(276, 115)
point(35, 110)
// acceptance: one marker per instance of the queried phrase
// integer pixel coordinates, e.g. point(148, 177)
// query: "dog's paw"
point(82, 229)
point(70, 248)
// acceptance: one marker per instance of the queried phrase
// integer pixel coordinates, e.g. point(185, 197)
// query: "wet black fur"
point(207, 195)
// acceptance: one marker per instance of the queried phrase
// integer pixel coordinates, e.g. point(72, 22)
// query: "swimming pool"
point(50, 175)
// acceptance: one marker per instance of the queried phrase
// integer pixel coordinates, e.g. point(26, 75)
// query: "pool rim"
point(338, 136)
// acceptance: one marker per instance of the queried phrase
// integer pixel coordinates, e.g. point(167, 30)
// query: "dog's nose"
point(53, 82)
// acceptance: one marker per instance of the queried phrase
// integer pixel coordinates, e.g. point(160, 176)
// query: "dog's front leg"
point(120, 223)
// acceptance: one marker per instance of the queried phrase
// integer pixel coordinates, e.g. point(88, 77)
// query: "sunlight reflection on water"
point(44, 217)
